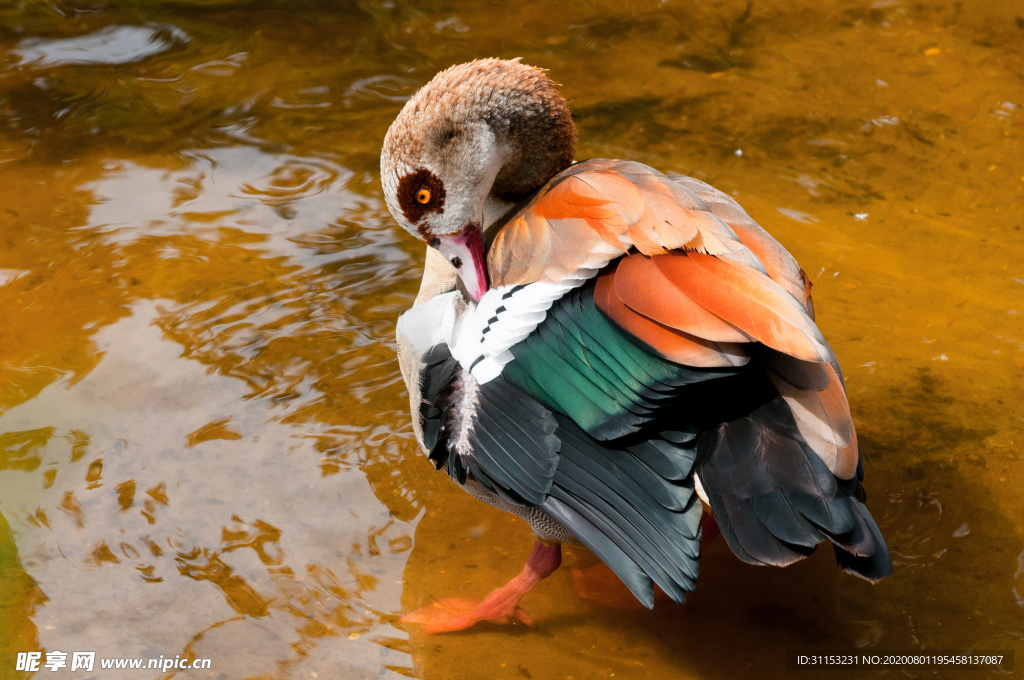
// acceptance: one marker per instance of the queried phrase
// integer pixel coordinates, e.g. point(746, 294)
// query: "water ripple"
point(110, 45)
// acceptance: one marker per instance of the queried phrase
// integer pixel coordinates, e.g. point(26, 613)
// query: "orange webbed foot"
point(454, 614)
point(501, 606)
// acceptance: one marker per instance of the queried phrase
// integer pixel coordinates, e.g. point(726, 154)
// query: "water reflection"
point(222, 357)
point(193, 522)
point(234, 187)
point(110, 45)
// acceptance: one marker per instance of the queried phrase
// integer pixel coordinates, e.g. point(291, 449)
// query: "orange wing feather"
point(747, 299)
point(699, 282)
point(669, 343)
point(777, 262)
point(624, 205)
point(647, 289)
point(822, 414)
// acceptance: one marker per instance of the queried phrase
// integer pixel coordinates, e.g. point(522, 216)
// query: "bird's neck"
point(495, 211)
point(538, 138)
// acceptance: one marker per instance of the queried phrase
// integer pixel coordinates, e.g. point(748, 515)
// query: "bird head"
point(477, 138)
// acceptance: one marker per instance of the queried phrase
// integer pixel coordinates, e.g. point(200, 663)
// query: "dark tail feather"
point(775, 499)
point(866, 555)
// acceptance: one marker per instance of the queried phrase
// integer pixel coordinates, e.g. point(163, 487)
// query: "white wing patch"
point(479, 336)
point(503, 317)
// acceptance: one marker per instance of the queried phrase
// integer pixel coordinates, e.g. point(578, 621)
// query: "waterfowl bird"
point(598, 347)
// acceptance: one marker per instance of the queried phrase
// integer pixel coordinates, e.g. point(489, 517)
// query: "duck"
point(609, 352)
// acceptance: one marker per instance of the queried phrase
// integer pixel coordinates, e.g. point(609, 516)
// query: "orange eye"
point(423, 196)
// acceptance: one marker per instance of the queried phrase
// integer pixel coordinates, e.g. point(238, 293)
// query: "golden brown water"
point(204, 439)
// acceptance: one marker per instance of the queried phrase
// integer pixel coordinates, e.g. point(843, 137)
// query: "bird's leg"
point(500, 606)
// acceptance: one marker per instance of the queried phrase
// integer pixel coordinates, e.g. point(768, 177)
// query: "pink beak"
point(465, 252)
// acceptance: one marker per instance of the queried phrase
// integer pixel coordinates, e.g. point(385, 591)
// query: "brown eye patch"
point(419, 193)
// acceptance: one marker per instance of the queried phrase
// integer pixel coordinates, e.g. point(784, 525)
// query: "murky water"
point(204, 439)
